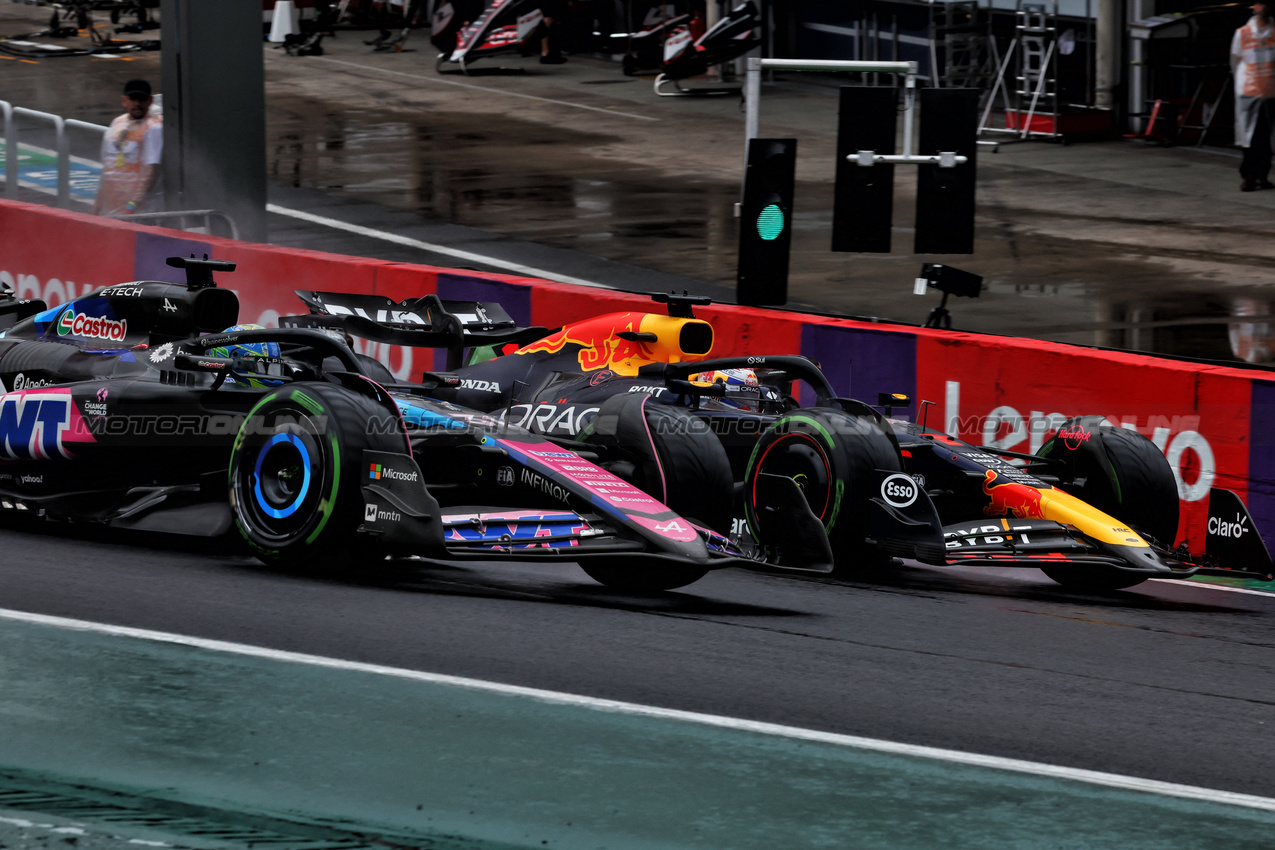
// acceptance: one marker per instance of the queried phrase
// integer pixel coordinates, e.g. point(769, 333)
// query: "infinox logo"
point(93, 327)
point(899, 490)
point(1223, 528)
point(1072, 437)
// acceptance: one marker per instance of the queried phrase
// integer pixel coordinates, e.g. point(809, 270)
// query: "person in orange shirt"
point(1253, 63)
point(131, 152)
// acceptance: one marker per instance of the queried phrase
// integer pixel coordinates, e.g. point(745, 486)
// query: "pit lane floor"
point(1162, 682)
point(571, 168)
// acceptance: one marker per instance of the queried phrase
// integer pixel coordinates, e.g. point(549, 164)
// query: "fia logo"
point(369, 513)
point(505, 476)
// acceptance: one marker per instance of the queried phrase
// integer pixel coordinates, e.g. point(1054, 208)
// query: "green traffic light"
point(770, 222)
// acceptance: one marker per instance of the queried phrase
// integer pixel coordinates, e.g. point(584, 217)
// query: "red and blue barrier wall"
point(1216, 424)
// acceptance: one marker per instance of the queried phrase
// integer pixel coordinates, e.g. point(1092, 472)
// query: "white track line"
point(426, 79)
point(1092, 777)
point(516, 268)
point(1209, 586)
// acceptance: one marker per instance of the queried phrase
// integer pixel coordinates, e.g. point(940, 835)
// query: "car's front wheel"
point(295, 474)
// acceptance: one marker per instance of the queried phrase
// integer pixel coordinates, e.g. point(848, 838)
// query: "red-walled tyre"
point(831, 455)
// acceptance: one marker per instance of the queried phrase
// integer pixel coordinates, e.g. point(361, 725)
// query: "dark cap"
point(137, 89)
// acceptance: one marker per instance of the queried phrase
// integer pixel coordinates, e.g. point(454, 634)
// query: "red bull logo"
point(1007, 497)
point(599, 341)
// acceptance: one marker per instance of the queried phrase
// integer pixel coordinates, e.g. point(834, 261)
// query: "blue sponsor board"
point(38, 169)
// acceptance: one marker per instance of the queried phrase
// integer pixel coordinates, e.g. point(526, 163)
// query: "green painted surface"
point(26, 157)
point(295, 740)
point(1227, 581)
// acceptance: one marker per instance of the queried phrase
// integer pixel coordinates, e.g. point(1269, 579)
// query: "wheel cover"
point(280, 485)
point(280, 462)
point(801, 458)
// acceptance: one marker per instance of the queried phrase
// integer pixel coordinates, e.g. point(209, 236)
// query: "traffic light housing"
point(945, 196)
point(863, 202)
point(765, 222)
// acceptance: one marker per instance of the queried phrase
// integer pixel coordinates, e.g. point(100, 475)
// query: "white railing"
point(62, 146)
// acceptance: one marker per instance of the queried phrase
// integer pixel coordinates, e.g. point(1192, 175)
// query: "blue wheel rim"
point(291, 507)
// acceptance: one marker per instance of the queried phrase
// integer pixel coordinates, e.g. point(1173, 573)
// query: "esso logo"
point(900, 490)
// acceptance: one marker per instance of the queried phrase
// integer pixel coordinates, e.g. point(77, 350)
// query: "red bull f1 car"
point(1096, 508)
point(135, 407)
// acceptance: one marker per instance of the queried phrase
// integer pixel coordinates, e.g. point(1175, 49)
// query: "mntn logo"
point(369, 513)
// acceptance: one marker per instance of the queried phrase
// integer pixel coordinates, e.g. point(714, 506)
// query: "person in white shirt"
point(131, 152)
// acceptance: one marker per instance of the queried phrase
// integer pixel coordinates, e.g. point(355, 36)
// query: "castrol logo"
point(92, 327)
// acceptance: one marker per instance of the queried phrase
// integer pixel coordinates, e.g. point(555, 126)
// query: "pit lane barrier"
point(62, 146)
point(1215, 423)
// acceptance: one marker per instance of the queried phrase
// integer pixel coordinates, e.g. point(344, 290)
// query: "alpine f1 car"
point(1097, 507)
point(134, 407)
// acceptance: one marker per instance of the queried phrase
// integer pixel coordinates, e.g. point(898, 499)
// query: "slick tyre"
point(295, 474)
point(636, 574)
point(669, 453)
point(1124, 475)
point(831, 455)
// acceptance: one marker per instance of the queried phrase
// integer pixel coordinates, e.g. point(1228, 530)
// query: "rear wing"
point(426, 322)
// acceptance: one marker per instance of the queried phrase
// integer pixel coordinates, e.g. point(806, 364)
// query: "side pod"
point(1233, 539)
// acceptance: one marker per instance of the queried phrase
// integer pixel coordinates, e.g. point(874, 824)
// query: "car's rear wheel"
point(294, 474)
point(638, 574)
point(831, 455)
point(669, 453)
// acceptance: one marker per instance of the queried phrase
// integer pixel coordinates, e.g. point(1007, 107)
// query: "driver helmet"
point(730, 377)
point(249, 350)
point(739, 378)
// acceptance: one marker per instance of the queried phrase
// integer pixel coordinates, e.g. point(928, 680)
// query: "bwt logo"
point(33, 426)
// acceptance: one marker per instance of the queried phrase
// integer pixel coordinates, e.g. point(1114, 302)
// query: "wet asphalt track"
point(1161, 681)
